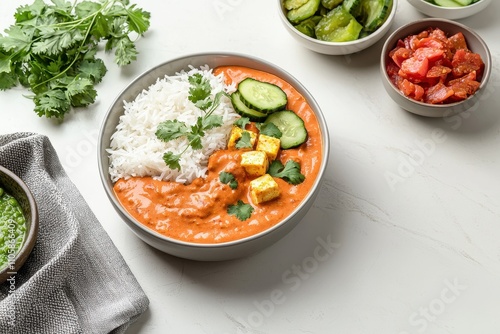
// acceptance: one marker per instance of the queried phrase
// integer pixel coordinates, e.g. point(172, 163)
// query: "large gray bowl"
point(195, 251)
point(474, 42)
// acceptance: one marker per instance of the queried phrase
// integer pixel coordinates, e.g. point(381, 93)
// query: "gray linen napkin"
point(75, 280)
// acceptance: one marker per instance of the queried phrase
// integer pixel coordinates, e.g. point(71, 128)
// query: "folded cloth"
point(75, 280)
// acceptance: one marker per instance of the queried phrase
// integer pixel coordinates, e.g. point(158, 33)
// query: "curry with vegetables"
point(272, 159)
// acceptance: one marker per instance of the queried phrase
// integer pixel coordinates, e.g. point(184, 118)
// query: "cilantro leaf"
point(290, 172)
point(242, 122)
point(7, 81)
point(52, 103)
point(195, 140)
point(228, 178)
point(200, 88)
point(172, 160)
point(93, 69)
point(15, 40)
point(244, 141)
point(269, 129)
point(125, 51)
point(212, 121)
point(138, 19)
point(241, 210)
point(170, 130)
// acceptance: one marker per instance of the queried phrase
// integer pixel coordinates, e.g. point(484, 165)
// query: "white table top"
point(418, 255)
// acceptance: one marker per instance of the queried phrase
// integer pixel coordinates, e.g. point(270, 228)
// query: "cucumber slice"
point(338, 26)
point(243, 110)
point(303, 12)
point(262, 96)
point(374, 13)
point(293, 130)
point(447, 3)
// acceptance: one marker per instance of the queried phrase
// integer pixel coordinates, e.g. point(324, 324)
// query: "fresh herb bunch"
point(200, 94)
point(51, 49)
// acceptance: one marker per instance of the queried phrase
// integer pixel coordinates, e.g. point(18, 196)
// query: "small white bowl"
point(451, 13)
point(337, 48)
point(475, 44)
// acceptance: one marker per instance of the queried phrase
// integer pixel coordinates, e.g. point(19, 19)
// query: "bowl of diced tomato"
point(435, 67)
point(450, 9)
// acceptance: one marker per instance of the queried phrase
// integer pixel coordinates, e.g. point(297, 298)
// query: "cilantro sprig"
point(290, 172)
point(241, 210)
point(51, 49)
point(200, 93)
point(229, 179)
point(269, 129)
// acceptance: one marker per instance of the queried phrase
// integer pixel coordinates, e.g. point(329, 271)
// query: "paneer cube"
point(269, 145)
point(263, 189)
point(236, 134)
point(255, 162)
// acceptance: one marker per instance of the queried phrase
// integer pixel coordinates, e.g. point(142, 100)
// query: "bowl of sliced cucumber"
point(450, 9)
point(337, 27)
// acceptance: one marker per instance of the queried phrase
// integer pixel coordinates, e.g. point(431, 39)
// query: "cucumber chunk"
point(447, 3)
point(293, 4)
point(293, 130)
point(330, 4)
point(243, 110)
point(262, 96)
point(338, 26)
point(303, 12)
point(351, 6)
point(374, 13)
point(464, 2)
point(307, 26)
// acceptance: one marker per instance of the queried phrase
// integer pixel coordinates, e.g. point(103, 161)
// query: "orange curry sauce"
point(198, 212)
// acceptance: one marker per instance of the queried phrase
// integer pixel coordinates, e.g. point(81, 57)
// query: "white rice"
point(135, 151)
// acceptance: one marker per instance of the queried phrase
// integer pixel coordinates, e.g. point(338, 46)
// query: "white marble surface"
point(418, 255)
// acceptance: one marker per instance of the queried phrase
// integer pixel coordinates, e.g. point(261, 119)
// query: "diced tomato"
point(419, 92)
point(432, 54)
point(392, 71)
point(430, 42)
point(406, 87)
point(439, 35)
point(464, 86)
point(468, 77)
point(438, 93)
point(400, 54)
point(465, 62)
point(423, 34)
point(457, 41)
point(411, 42)
point(438, 71)
point(415, 68)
